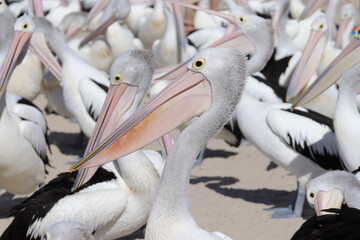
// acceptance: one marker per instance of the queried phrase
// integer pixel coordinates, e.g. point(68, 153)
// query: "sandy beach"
point(230, 192)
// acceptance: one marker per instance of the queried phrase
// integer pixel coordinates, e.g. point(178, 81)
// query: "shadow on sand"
point(274, 198)
point(69, 143)
point(7, 202)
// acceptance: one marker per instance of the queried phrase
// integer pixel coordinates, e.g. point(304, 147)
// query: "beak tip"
point(71, 168)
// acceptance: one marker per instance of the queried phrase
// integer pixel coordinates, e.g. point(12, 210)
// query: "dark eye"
point(248, 56)
point(25, 26)
point(118, 78)
point(198, 63)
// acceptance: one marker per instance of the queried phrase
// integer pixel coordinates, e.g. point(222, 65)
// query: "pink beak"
point(186, 97)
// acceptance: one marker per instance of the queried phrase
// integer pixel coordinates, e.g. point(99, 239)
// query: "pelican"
point(331, 9)
point(327, 194)
point(84, 87)
point(197, 92)
point(117, 200)
point(301, 141)
point(347, 23)
point(114, 11)
point(30, 64)
point(346, 117)
point(22, 125)
point(98, 53)
point(318, 53)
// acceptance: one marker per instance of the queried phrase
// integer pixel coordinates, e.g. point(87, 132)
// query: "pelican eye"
point(358, 33)
point(312, 195)
point(25, 26)
point(321, 26)
point(199, 63)
point(118, 78)
point(47, 236)
point(242, 20)
point(346, 15)
point(1, 3)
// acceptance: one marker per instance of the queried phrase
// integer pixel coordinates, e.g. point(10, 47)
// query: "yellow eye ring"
point(47, 236)
point(199, 63)
point(1, 3)
point(241, 20)
point(358, 33)
point(25, 26)
point(118, 78)
point(321, 26)
point(312, 195)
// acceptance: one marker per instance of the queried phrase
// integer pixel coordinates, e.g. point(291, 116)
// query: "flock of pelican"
point(283, 74)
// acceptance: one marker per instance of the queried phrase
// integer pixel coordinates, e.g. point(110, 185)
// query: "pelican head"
point(310, 58)
point(214, 78)
point(130, 77)
point(330, 190)
point(24, 27)
point(346, 14)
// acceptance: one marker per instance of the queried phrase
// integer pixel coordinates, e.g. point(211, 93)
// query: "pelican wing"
point(94, 204)
point(93, 95)
point(35, 136)
point(307, 132)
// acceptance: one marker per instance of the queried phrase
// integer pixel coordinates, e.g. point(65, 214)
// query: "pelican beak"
point(274, 22)
point(38, 8)
point(95, 10)
point(118, 100)
point(343, 23)
point(100, 30)
point(181, 39)
point(184, 98)
point(308, 63)
point(327, 200)
point(310, 8)
point(228, 17)
point(15, 55)
point(348, 58)
point(39, 46)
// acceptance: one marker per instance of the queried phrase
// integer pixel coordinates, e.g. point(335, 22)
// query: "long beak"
point(186, 97)
point(95, 10)
point(226, 16)
point(328, 199)
point(308, 63)
point(37, 7)
point(310, 8)
point(39, 46)
point(15, 55)
point(348, 58)
point(274, 22)
point(118, 100)
point(340, 33)
point(180, 30)
point(100, 30)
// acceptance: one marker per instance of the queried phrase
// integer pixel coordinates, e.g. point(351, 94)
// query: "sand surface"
point(230, 192)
